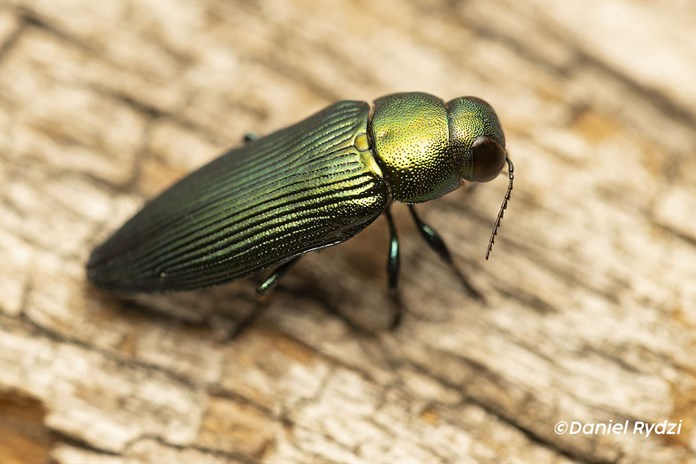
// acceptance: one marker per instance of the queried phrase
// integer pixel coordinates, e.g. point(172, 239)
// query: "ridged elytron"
point(308, 186)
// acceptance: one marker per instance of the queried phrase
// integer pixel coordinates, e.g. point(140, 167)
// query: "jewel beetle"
point(311, 185)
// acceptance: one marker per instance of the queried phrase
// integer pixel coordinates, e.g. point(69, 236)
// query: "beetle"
point(309, 186)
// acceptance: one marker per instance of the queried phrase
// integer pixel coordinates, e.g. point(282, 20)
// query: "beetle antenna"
point(511, 176)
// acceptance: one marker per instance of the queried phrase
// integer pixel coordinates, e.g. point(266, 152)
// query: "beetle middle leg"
point(437, 244)
point(393, 265)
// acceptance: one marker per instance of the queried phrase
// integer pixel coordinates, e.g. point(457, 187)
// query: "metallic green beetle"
point(309, 186)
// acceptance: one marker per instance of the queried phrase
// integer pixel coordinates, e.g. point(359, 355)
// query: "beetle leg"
point(262, 290)
point(433, 239)
point(393, 263)
point(272, 280)
point(249, 137)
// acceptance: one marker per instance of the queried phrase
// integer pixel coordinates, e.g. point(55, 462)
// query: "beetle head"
point(476, 138)
point(477, 141)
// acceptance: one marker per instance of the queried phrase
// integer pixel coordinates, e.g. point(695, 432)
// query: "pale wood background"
point(591, 312)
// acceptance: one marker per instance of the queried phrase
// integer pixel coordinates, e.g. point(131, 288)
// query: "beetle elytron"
point(308, 186)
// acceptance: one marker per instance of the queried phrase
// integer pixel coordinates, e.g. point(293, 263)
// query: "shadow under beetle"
point(308, 186)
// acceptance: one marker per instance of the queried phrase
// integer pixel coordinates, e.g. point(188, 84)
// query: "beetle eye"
point(489, 159)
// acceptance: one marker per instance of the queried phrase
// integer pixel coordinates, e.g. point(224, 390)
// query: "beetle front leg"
point(437, 244)
point(393, 264)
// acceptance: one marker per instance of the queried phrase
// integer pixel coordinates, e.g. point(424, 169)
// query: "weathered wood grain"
point(591, 312)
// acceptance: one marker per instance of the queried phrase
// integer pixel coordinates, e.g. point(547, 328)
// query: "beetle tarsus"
point(397, 310)
point(437, 244)
point(248, 319)
point(272, 280)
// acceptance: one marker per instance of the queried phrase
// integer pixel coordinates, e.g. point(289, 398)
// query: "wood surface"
point(591, 288)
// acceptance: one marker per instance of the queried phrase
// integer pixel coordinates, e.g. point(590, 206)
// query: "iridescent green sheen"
point(424, 145)
point(309, 186)
point(257, 206)
point(470, 118)
point(411, 140)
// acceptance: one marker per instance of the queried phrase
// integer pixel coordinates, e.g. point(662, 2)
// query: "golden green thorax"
point(427, 147)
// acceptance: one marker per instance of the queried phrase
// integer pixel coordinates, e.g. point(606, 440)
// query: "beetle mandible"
point(311, 185)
